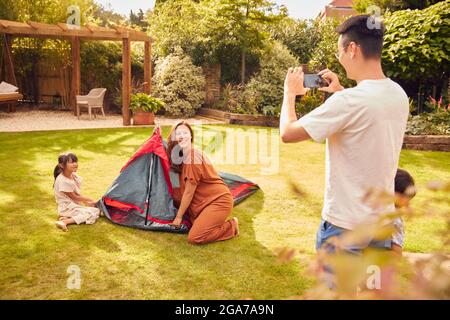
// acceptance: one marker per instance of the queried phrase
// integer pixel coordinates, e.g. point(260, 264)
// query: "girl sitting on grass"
point(68, 196)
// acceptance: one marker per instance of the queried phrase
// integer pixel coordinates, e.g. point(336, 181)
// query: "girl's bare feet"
point(236, 226)
point(61, 225)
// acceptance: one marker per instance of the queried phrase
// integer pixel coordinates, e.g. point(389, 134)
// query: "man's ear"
point(353, 47)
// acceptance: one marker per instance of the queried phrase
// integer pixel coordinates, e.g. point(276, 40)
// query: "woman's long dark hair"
point(172, 146)
point(63, 159)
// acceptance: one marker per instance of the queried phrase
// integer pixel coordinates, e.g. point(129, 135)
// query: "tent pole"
point(149, 187)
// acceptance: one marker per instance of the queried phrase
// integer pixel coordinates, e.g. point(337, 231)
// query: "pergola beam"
point(66, 31)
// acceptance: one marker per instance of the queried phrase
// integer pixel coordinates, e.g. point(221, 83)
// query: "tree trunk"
point(243, 67)
point(420, 101)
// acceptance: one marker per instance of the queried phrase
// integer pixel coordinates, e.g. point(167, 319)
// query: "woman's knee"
point(195, 239)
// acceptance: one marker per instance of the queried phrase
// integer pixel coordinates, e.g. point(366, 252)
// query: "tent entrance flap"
point(152, 160)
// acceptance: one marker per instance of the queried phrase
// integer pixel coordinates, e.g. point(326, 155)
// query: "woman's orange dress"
point(212, 202)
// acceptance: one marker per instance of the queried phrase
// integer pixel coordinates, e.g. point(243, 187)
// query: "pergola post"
point(8, 62)
point(76, 74)
point(126, 80)
point(148, 67)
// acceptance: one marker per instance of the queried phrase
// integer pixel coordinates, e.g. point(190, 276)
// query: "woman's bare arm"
point(186, 198)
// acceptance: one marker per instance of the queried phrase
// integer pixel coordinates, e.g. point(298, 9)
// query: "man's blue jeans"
point(328, 230)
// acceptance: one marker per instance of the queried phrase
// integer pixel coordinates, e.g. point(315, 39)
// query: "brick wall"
point(212, 76)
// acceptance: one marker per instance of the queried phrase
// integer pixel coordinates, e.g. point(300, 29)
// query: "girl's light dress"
point(67, 207)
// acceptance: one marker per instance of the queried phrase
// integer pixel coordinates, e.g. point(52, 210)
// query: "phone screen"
point(313, 81)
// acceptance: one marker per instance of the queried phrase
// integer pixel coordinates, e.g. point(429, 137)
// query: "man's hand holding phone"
point(293, 85)
point(332, 80)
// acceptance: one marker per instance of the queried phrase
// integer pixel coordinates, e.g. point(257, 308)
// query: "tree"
point(300, 36)
point(180, 23)
point(242, 23)
point(393, 5)
point(47, 11)
point(138, 20)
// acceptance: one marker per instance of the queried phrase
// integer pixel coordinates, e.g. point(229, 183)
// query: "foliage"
point(180, 84)
point(242, 23)
point(417, 43)
point(311, 100)
point(145, 102)
point(106, 17)
point(213, 31)
point(266, 86)
point(439, 105)
point(300, 36)
point(392, 5)
point(181, 24)
point(234, 101)
point(47, 11)
point(138, 20)
point(378, 274)
point(437, 123)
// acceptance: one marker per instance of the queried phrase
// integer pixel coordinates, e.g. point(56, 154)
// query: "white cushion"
point(6, 87)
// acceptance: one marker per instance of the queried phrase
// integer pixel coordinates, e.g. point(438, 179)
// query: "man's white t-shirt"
point(364, 127)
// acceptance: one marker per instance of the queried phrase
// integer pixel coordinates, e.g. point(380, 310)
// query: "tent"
point(142, 195)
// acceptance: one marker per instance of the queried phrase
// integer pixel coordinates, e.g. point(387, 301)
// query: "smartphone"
point(313, 81)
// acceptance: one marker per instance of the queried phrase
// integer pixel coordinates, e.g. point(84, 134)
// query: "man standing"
point(363, 127)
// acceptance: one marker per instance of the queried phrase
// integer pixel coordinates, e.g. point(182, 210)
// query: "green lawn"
point(123, 263)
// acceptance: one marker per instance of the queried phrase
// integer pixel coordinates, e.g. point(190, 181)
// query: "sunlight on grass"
point(123, 263)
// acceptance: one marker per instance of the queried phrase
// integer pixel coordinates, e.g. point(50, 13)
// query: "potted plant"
point(144, 107)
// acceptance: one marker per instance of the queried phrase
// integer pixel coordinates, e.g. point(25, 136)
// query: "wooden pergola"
point(89, 32)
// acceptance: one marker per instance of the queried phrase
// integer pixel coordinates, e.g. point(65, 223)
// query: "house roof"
point(341, 3)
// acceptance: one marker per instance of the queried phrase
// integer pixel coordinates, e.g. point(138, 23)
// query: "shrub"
point(180, 84)
point(233, 100)
point(265, 88)
point(429, 123)
point(311, 100)
point(145, 102)
point(416, 42)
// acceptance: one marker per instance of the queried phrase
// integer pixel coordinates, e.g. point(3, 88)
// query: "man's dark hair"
point(364, 31)
point(403, 182)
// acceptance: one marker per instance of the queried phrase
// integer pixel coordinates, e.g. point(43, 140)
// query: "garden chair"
point(93, 100)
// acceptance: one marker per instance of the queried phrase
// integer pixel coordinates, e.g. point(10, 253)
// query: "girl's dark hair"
point(63, 159)
point(173, 144)
point(403, 182)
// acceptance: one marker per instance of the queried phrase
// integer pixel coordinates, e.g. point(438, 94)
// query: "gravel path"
point(38, 120)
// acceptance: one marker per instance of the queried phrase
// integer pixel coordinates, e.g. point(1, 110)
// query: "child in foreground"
point(404, 187)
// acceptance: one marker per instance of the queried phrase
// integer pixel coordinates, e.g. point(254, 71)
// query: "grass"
point(124, 263)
